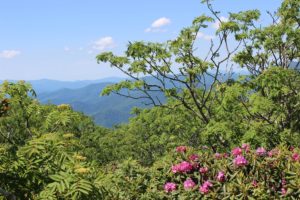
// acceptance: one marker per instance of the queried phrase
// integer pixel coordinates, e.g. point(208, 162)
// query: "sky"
point(59, 39)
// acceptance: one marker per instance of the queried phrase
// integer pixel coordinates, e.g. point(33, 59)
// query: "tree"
point(182, 75)
point(277, 44)
point(18, 107)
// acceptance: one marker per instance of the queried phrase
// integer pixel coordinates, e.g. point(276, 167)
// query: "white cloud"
point(217, 24)
point(9, 53)
point(158, 24)
point(104, 43)
point(204, 36)
point(155, 30)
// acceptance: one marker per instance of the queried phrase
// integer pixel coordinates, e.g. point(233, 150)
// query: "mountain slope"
point(106, 110)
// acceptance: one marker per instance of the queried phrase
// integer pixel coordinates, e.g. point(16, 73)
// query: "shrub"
point(244, 173)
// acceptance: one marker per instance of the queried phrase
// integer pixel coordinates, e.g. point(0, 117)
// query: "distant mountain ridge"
point(105, 110)
point(48, 85)
point(84, 96)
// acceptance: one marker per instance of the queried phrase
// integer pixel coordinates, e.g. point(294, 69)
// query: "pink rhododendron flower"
point(204, 188)
point(246, 147)
point(240, 161)
point(181, 149)
point(170, 187)
point(194, 157)
point(203, 170)
point(218, 156)
point(283, 191)
point(221, 176)
point(261, 151)
point(237, 151)
point(189, 184)
point(296, 157)
point(182, 167)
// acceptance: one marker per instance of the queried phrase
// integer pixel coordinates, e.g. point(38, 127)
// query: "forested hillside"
point(212, 138)
point(106, 111)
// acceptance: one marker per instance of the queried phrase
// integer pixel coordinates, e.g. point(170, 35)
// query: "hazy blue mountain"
point(46, 85)
point(106, 110)
point(84, 96)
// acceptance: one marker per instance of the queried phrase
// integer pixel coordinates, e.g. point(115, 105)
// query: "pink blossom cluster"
point(204, 188)
point(296, 157)
point(237, 151)
point(203, 175)
point(170, 187)
point(240, 161)
point(261, 151)
point(203, 170)
point(189, 184)
point(182, 167)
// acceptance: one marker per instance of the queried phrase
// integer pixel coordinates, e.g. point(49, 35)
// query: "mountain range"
point(84, 96)
point(105, 110)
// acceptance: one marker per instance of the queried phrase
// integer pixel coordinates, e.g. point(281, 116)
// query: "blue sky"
point(59, 39)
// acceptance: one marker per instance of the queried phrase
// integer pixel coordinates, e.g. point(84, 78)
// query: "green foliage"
point(146, 138)
point(48, 167)
point(261, 110)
